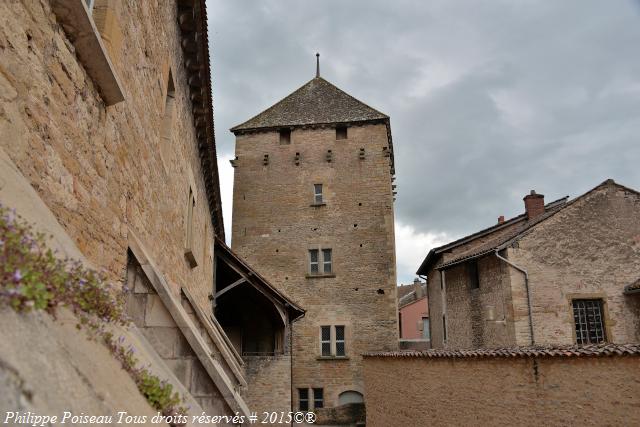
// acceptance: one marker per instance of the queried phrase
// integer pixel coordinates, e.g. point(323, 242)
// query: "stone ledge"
point(319, 276)
point(332, 358)
point(75, 19)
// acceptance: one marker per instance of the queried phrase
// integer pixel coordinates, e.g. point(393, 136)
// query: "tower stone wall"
point(276, 222)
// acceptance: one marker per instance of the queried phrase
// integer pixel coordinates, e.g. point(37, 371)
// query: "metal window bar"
point(325, 340)
point(587, 315)
point(326, 260)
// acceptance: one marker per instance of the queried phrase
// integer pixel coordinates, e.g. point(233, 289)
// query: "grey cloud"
point(488, 99)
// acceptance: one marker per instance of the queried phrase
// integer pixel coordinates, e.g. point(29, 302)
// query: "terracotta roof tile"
point(539, 351)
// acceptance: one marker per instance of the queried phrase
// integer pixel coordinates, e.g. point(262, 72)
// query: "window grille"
point(587, 314)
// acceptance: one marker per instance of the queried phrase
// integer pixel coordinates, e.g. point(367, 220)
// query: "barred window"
point(587, 314)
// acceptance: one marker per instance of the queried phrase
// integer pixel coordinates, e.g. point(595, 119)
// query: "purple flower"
point(82, 282)
point(17, 276)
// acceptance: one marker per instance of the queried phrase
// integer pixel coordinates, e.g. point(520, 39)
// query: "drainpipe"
point(526, 285)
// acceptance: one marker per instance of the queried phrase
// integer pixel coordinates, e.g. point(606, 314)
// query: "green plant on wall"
point(33, 277)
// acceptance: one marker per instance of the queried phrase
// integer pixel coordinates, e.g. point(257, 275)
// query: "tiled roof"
point(538, 351)
point(498, 236)
point(295, 311)
point(485, 241)
point(317, 102)
point(404, 290)
point(633, 287)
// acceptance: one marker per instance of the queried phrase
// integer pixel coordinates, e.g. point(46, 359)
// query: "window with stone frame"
point(588, 315)
point(303, 399)
point(325, 340)
point(318, 199)
point(332, 341)
point(318, 398)
point(320, 262)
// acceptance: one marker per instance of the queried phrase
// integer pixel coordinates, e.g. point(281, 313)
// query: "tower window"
point(340, 341)
point(285, 136)
point(313, 261)
point(326, 260)
point(325, 340)
point(341, 132)
point(587, 314)
point(320, 262)
point(332, 341)
point(317, 194)
point(303, 399)
point(318, 398)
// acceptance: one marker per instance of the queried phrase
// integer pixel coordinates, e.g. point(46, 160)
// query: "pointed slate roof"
point(317, 102)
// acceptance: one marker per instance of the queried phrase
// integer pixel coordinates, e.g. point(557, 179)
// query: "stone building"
point(107, 144)
point(559, 274)
point(313, 213)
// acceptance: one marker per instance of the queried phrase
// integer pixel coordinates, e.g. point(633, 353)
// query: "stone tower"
point(313, 213)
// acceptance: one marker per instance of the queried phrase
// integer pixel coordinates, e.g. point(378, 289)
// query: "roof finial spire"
point(317, 65)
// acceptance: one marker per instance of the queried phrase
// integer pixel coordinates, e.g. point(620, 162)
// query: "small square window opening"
point(285, 136)
point(341, 132)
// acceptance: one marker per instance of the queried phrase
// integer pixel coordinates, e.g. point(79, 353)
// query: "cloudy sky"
point(487, 99)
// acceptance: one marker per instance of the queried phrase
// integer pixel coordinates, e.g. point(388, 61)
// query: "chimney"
point(501, 219)
point(533, 204)
point(417, 287)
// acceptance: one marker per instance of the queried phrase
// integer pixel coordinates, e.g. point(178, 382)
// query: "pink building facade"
point(414, 320)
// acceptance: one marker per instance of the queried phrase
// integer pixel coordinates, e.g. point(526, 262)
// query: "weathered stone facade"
point(514, 390)
point(98, 168)
point(588, 248)
point(276, 221)
point(106, 142)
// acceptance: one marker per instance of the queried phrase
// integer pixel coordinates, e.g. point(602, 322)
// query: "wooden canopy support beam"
point(231, 286)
